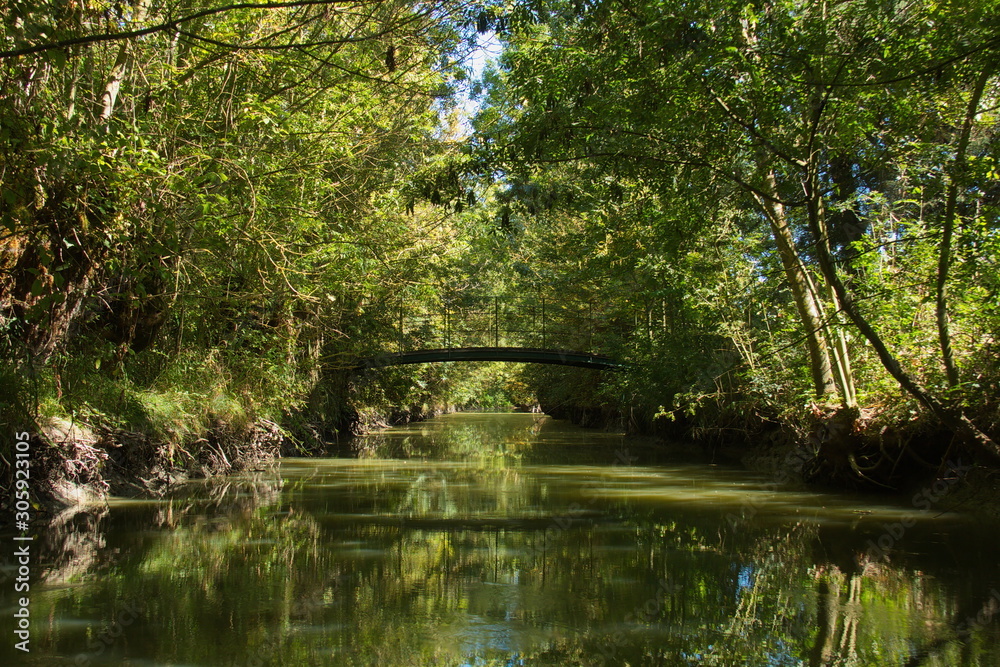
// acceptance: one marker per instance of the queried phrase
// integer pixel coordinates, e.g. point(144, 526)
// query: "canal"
point(512, 539)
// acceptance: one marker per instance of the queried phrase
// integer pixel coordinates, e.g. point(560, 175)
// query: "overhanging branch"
point(169, 25)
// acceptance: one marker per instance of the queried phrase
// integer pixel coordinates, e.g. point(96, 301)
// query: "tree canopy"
point(781, 211)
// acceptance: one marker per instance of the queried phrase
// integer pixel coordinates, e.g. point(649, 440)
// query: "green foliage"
point(249, 195)
point(721, 147)
point(197, 222)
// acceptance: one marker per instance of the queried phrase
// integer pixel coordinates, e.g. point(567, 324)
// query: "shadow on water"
point(512, 539)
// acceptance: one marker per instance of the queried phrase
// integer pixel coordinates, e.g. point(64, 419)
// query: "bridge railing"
point(527, 321)
point(498, 321)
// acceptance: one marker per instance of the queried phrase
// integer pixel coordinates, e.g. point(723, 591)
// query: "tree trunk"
point(804, 297)
point(109, 97)
point(957, 422)
point(957, 177)
point(827, 613)
point(838, 342)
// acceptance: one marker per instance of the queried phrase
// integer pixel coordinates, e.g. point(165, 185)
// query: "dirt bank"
point(73, 463)
point(834, 449)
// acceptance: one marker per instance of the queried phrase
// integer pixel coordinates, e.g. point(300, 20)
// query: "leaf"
point(57, 57)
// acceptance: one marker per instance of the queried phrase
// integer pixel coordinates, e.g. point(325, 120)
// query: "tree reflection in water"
point(487, 555)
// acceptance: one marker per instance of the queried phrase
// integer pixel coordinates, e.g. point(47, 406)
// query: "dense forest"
point(784, 214)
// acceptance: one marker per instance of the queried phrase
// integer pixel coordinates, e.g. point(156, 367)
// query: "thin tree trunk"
point(843, 355)
point(109, 97)
point(837, 341)
point(827, 613)
point(72, 90)
point(957, 178)
point(848, 649)
point(805, 302)
point(957, 422)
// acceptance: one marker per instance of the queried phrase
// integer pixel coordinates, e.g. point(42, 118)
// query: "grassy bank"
point(133, 431)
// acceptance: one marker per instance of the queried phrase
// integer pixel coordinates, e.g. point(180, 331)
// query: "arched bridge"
point(521, 329)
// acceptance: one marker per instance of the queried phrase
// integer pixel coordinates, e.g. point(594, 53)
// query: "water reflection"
point(509, 540)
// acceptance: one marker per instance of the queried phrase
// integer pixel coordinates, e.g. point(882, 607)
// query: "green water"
point(512, 539)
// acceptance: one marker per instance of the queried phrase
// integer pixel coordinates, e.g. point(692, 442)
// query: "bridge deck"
point(509, 354)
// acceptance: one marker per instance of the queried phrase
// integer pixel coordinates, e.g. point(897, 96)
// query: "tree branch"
point(170, 25)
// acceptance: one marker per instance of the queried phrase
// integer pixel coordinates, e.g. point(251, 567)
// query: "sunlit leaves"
point(851, 108)
point(251, 166)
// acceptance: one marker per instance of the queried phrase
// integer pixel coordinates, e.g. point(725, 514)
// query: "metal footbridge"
point(520, 329)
